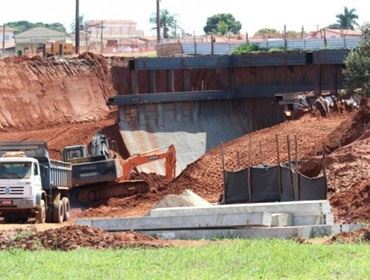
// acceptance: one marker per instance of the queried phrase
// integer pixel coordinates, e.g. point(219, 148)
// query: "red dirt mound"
point(38, 93)
point(74, 237)
point(350, 130)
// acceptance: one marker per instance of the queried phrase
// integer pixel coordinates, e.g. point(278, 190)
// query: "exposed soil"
point(39, 93)
point(74, 237)
point(204, 177)
point(348, 168)
point(362, 235)
point(60, 136)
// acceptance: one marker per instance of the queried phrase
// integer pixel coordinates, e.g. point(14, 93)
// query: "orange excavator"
point(103, 174)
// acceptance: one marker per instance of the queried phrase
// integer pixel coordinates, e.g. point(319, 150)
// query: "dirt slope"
point(38, 93)
point(348, 168)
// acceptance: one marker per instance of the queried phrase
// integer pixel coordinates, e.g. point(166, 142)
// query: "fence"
point(271, 183)
point(209, 48)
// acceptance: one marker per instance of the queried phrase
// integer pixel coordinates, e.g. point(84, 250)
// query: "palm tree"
point(347, 20)
point(82, 23)
point(167, 22)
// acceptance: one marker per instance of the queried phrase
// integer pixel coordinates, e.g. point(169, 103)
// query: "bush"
point(246, 48)
point(357, 72)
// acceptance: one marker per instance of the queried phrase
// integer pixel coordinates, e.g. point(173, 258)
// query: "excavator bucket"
point(102, 192)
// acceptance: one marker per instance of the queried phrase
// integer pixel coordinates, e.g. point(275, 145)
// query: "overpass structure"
point(197, 102)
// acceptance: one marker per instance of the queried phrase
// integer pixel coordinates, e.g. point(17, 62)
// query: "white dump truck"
point(32, 185)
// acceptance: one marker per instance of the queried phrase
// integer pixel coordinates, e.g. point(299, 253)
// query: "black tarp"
point(265, 185)
point(286, 184)
point(313, 188)
point(236, 188)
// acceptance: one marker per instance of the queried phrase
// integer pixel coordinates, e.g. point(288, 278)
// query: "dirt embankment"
point(38, 93)
point(348, 168)
point(204, 176)
point(60, 101)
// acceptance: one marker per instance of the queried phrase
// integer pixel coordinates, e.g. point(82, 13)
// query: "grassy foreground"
point(219, 260)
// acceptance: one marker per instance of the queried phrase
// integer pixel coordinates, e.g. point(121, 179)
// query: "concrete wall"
point(193, 127)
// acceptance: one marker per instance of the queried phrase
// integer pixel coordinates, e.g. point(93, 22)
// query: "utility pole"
point(77, 27)
point(4, 39)
point(158, 22)
point(87, 38)
point(101, 37)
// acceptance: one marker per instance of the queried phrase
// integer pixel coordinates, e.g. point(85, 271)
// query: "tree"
point(23, 25)
point(357, 71)
point(347, 20)
point(81, 21)
point(222, 24)
point(167, 21)
point(267, 33)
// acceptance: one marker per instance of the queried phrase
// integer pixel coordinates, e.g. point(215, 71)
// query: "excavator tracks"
point(99, 192)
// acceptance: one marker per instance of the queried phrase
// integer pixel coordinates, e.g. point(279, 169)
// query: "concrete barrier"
point(305, 232)
point(186, 222)
point(297, 208)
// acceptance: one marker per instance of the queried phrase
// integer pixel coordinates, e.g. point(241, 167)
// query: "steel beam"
point(210, 95)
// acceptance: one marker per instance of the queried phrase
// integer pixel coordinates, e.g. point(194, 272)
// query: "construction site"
point(223, 132)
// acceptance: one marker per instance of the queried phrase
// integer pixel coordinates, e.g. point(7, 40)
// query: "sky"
point(191, 14)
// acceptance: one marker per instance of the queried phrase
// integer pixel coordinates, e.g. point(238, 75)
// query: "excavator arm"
point(134, 161)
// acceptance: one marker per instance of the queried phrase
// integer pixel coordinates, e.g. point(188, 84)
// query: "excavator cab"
point(72, 153)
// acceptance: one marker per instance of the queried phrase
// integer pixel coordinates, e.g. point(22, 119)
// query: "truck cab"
point(20, 186)
point(73, 153)
point(32, 185)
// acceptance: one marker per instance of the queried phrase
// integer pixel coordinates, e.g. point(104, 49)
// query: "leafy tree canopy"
point(357, 72)
point(346, 20)
point(267, 33)
point(23, 25)
point(222, 24)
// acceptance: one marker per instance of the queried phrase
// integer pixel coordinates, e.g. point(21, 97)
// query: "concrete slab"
point(281, 219)
point(305, 232)
point(186, 222)
point(297, 208)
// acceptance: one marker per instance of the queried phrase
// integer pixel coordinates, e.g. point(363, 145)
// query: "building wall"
point(115, 31)
point(9, 37)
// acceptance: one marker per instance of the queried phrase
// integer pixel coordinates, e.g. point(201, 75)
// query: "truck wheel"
point(67, 208)
point(41, 214)
point(58, 212)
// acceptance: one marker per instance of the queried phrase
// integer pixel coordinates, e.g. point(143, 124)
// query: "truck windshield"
point(15, 170)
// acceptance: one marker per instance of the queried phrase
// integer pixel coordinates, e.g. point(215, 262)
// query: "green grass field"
point(218, 260)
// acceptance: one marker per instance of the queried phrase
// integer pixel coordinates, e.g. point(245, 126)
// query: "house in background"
point(113, 29)
point(9, 42)
point(334, 33)
point(33, 41)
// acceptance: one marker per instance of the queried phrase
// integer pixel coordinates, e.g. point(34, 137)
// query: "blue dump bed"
point(54, 174)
